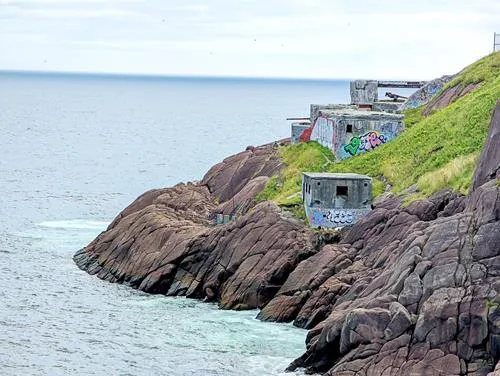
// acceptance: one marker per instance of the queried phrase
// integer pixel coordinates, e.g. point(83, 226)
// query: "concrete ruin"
point(365, 123)
point(347, 132)
point(298, 129)
point(364, 92)
point(425, 93)
point(335, 200)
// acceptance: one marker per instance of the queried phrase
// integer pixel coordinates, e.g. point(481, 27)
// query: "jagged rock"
point(440, 259)
point(226, 179)
point(407, 291)
point(489, 160)
point(164, 242)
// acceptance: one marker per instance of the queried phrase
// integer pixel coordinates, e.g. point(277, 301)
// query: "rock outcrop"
point(405, 291)
point(448, 96)
point(165, 242)
point(419, 291)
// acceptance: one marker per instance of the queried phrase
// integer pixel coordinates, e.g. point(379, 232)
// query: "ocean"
point(77, 149)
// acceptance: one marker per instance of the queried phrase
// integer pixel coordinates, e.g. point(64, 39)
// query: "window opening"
point(342, 191)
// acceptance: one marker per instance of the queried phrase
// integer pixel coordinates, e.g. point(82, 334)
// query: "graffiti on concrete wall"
point(330, 218)
point(298, 132)
point(363, 143)
point(321, 131)
point(425, 93)
point(331, 133)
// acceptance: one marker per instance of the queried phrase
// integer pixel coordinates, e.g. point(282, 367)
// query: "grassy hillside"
point(434, 152)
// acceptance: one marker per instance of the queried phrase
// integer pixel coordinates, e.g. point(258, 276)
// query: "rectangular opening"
point(349, 128)
point(342, 191)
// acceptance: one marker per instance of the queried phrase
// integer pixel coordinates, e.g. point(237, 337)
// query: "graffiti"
point(321, 131)
point(306, 135)
point(331, 218)
point(340, 216)
point(298, 132)
point(317, 218)
point(425, 93)
point(366, 142)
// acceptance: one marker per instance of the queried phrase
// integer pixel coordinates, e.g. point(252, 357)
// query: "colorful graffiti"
point(298, 130)
point(330, 218)
point(366, 142)
point(321, 131)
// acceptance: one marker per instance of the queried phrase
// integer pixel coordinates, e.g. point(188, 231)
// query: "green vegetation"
point(433, 152)
point(485, 69)
point(457, 173)
point(285, 189)
point(490, 303)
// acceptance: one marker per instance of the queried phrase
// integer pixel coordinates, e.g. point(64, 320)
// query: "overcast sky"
point(264, 38)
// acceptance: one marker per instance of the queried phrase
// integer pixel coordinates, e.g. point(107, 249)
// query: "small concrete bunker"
point(335, 200)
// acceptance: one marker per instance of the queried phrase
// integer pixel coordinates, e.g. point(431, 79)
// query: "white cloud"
point(293, 38)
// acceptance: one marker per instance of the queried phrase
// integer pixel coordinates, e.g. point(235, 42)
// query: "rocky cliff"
point(409, 290)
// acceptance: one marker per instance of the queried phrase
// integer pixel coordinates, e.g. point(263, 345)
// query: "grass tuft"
point(456, 174)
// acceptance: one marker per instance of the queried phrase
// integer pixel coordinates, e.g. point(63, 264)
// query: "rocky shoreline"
point(408, 290)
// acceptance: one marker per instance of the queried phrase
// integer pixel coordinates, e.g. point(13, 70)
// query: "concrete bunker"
point(347, 132)
point(335, 199)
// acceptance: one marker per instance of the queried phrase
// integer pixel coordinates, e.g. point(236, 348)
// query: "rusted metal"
point(402, 84)
point(394, 97)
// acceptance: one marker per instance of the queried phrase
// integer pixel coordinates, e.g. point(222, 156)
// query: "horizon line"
point(163, 76)
point(180, 76)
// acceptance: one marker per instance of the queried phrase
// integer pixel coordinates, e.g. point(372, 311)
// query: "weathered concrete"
point(364, 91)
point(349, 132)
point(425, 93)
point(316, 108)
point(298, 129)
point(336, 200)
point(386, 106)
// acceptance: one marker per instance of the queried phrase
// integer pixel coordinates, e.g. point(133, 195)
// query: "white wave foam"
point(75, 224)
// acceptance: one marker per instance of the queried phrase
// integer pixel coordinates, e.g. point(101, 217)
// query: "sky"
point(382, 39)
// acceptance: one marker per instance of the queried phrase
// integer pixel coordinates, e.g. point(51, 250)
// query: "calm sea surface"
point(74, 151)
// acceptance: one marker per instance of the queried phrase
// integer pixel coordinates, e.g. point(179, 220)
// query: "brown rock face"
point(165, 243)
point(489, 161)
point(226, 179)
point(449, 96)
point(420, 294)
point(406, 291)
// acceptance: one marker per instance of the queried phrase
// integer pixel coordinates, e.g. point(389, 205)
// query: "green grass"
point(456, 174)
point(448, 139)
point(285, 188)
point(485, 69)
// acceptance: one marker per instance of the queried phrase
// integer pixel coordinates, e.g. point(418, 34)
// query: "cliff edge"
point(411, 289)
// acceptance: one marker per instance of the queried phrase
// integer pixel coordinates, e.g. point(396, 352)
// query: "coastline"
point(411, 288)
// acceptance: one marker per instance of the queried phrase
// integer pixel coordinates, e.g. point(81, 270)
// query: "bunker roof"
point(359, 114)
point(336, 176)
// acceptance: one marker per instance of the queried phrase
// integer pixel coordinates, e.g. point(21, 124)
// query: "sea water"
point(74, 151)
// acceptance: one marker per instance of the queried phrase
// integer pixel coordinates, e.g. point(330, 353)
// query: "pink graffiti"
point(371, 140)
point(366, 142)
